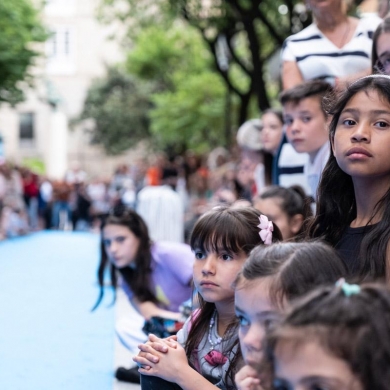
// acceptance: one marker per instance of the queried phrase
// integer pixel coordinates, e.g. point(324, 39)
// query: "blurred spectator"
point(61, 212)
point(81, 217)
point(162, 209)
point(249, 140)
point(335, 47)
point(14, 221)
point(381, 48)
point(75, 174)
point(100, 203)
point(45, 201)
point(30, 193)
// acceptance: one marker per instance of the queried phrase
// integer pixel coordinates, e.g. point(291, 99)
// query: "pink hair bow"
point(266, 229)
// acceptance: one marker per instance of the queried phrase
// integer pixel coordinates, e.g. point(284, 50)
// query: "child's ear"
point(296, 223)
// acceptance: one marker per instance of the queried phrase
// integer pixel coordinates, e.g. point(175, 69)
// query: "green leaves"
point(118, 107)
point(21, 29)
point(192, 116)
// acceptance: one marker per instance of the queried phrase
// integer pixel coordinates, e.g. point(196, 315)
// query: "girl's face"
point(214, 274)
point(121, 245)
point(272, 132)
point(308, 366)
point(271, 207)
point(362, 138)
point(255, 313)
point(383, 50)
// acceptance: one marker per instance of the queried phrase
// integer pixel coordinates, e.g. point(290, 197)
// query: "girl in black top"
point(354, 192)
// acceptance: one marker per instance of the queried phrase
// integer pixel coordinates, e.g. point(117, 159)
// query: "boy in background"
point(306, 126)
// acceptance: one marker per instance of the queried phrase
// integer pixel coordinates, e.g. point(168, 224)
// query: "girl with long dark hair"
point(353, 209)
point(156, 276)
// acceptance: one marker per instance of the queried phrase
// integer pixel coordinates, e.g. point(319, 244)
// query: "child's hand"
point(247, 379)
point(160, 344)
point(148, 350)
point(168, 365)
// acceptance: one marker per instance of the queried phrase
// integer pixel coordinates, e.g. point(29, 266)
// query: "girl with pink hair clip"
point(207, 354)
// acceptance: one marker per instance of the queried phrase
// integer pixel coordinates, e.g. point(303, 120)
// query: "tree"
point(118, 106)
point(20, 28)
point(188, 103)
point(241, 35)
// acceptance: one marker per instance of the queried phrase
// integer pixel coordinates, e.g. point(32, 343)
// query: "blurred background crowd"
point(32, 202)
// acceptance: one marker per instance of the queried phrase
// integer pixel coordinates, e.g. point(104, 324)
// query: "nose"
point(111, 247)
point(252, 338)
point(209, 264)
point(361, 133)
point(294, 126)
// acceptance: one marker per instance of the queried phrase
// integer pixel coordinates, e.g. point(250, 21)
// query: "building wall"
point(77, 53)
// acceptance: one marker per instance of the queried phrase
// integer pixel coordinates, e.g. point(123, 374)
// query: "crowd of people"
point(281, 244)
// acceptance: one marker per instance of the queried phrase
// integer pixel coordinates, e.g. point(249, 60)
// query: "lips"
point(297, 140)
point(359, 150)
point(207, 283)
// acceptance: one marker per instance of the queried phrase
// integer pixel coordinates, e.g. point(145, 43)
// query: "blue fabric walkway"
point(49, 339)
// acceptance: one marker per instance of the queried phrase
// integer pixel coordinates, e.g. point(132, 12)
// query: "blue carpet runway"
point(49, 339)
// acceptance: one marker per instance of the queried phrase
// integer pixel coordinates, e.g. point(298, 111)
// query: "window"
point(60, 51)
point(26, 126)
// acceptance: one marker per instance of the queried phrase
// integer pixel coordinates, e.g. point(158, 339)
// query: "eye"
point(242, 320)
point(306, 119)
point(120, 240)
point(106, 242)
point(199, 255)
point(317, 386)
point(226, 257)
point(280, 384)
point(381, 124)
point(348, 122)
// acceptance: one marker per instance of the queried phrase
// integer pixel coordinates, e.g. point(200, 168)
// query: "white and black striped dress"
point(318, 58)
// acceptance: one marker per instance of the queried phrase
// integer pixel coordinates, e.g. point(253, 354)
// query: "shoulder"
point(309, 33)
point(369, 24)
point(182, 335)
point(167, 249)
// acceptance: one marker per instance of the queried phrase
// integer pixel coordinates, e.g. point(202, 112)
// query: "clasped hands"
point(161, 357)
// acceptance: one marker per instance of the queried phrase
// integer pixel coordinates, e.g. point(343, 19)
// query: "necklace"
point(210, 338)
point(346, 33)
point(214, 358)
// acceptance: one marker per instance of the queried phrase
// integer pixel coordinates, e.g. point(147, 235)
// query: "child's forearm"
point(190, 379)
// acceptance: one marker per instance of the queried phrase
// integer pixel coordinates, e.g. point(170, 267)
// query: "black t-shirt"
point(349, 245)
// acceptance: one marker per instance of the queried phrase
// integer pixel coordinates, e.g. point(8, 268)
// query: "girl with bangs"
point(207, 354)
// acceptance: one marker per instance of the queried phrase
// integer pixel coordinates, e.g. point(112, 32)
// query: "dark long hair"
point(268, 158)
point(137, 278)
point(353, 328)
point(336, 206)
point(384, 27)
point(235, 230)
point(296, 268)
point(293, 201)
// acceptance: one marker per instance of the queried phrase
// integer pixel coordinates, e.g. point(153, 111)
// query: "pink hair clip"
point(266, 228)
